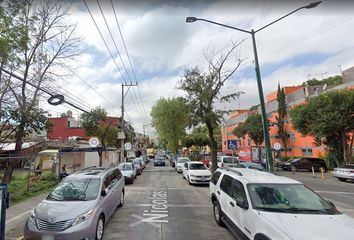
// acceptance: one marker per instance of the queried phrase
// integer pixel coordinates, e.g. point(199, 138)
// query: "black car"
point(159, 161)
point(304, 164)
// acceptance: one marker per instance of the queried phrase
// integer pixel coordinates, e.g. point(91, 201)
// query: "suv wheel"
point(293, 168)
point(121, 199)
point(100, 228)
point(218, 213)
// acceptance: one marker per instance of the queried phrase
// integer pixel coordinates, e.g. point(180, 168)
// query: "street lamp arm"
point(278, 19)
point(223, 25)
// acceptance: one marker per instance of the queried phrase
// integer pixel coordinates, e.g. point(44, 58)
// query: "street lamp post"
point(258, 73)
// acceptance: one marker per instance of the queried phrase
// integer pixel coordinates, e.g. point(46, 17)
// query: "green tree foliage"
point(331, 81)
point(329, 118)
point(96, 124)
point(203, 91)
point(253, 128)
point(169, 117)
point(38, 44)
point(198, 138)
point(281, 117)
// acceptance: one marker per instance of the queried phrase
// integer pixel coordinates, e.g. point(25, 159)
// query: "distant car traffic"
point(159, 161)
point(196, 172)
point(304, 164)
point(250, 165)
point(260, 206)
point(344, 173)
point(180, 162)
point(129, 171)
point(79, 206)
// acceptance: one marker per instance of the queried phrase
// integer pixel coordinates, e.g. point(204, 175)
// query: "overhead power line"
point(126, 50)
point(42, 89)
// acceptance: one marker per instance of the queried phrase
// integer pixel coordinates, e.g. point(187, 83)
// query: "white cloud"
point(161, 45)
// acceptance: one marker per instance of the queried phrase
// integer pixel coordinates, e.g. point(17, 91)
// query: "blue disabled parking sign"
point(231, 144)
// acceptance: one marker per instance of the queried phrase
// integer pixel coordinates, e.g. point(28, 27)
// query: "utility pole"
point(122, 120)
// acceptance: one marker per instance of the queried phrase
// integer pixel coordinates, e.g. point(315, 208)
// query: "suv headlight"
point(193, 175)
point(83, 217)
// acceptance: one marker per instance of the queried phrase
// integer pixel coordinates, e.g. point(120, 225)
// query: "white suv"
point(262, 206)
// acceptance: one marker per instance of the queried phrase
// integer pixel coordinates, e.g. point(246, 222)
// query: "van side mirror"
point(242, 204)
point(104, 192)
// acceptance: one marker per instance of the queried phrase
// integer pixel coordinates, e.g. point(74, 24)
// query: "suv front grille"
point(54, 227)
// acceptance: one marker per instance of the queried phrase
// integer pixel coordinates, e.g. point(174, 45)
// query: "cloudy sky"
point(311, 43)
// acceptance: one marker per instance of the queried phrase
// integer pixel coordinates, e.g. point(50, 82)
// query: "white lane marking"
point(154, 188)
point(141, 221)
point(17, 217)
point(344, 193)
point(170, 205)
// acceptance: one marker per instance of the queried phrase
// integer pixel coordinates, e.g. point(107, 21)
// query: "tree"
point(46, 40)
point(329, 118)
point(254, 129)
point(280, 118)
point(203, 91)
point(96, 124)
point(169, 117)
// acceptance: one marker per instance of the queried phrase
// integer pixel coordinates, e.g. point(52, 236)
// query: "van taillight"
point(222, 165)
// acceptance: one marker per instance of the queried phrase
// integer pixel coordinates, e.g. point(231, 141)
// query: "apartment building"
point(297, 144)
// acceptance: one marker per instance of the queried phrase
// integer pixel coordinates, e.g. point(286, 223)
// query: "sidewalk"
point(16, 216)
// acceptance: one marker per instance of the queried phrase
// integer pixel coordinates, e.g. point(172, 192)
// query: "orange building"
point(297, 144)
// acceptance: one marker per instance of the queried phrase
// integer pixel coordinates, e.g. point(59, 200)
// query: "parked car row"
point(62, 214)
point(260, 205)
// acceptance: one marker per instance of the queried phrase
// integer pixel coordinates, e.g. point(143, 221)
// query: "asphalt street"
point(162, 205)
point(186, 211)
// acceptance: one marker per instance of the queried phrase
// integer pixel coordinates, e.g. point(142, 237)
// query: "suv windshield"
point(76, 189)
point(197, 167)
point(125, 167)
point(290, 198)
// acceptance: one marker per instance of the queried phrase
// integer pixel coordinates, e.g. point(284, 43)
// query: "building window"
point(68, 124)
point(292, 135)
point(306, 151)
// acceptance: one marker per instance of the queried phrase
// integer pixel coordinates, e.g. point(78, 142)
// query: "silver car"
point(129, 171)
point(79, 206)
point(138, 164)
point(344, 173)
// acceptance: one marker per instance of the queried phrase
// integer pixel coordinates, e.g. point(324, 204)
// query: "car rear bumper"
point(128, 179)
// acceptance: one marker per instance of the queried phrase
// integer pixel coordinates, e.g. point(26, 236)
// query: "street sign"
point(231, 144)
point(94, 142)
point(277, 146)
point(128, 146)
point(121, 135)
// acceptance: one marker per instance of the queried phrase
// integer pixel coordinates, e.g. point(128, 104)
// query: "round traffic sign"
point(277, 146)
point(94, 142)
point(128, 146)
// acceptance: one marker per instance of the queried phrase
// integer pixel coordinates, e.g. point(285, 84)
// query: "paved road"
point(175, 210)
point(186, 211)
